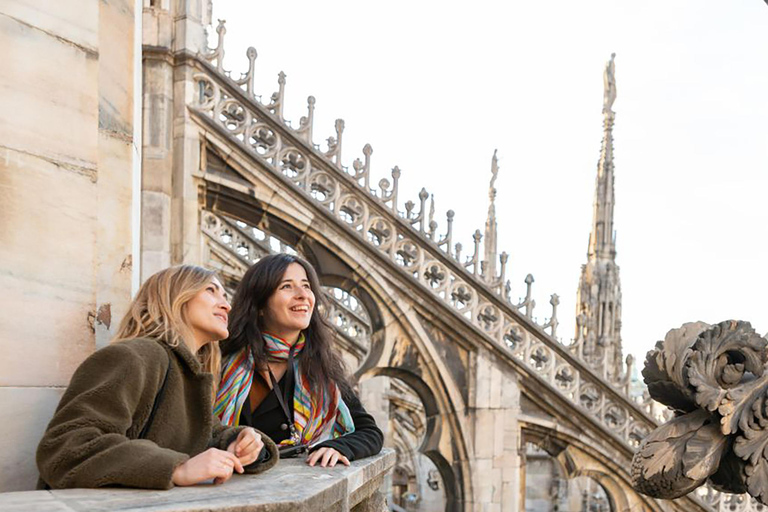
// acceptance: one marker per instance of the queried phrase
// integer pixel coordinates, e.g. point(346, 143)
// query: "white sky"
point(434, 87)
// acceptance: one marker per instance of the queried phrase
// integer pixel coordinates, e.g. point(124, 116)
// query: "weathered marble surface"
point(290, 486)
point(67, 171)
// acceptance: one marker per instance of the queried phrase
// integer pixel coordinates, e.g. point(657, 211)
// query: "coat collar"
point(190, 360)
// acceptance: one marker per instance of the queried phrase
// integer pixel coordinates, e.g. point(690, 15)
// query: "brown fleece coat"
point(92, 439)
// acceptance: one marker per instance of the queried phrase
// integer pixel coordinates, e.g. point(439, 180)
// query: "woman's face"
point(289, 308)
point(208, 314)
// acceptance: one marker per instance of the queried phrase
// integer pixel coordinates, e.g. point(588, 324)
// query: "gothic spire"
point(598, 305)
point(490, 223)
point(602, 244)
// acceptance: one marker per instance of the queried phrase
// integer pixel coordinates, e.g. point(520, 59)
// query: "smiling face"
point(289, 308)
point(208, 314)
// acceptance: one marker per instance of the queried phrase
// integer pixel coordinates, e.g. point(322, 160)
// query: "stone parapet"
point(291, 486)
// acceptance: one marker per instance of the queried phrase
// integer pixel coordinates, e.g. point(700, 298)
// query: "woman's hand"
point(212, 463)
point(247, 446)
point(328, 457)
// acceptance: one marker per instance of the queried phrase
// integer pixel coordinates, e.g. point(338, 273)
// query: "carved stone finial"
point(248, 77)
point(447, 239)
point(528, 303)
point(278, 98)
point(553, 322)
point(432, 213)
point(715, 379)
point(305, 123)
point(334, 144)
point(475, 260)
point(217, 53)
point(363, 169)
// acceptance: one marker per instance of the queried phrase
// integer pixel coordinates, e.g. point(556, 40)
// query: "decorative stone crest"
point(715, 380)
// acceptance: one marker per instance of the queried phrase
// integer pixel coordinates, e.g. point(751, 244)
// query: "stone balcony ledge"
point(289, 486)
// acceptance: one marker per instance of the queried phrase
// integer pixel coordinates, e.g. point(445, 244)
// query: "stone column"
point(496, 467)
point(171, 147)
point(157, 154)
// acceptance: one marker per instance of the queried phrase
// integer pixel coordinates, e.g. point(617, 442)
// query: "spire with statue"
point(598, 306)
point(490, 223)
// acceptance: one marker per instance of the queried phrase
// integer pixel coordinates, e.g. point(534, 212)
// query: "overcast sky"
point(435, 87)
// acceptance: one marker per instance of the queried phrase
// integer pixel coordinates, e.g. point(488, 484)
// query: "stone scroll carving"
point(715, 380)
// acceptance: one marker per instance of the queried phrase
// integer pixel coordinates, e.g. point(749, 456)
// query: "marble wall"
point(68, 163)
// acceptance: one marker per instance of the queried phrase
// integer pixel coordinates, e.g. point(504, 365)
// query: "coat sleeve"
point(365, 441)
point(85, 444)
point(223, 435)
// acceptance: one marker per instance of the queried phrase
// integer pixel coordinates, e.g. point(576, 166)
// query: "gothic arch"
point(616, 494)
point(430, 443)
point(576, 458)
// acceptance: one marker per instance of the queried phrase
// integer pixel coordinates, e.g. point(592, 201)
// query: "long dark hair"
point(318, 361)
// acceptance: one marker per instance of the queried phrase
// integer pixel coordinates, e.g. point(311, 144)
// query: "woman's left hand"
point(247, 446)
point(328, 457)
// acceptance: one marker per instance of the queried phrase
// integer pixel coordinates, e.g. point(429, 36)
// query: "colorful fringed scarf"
point(318, 416)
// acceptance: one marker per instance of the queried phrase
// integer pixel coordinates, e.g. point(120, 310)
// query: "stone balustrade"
point(292, 485)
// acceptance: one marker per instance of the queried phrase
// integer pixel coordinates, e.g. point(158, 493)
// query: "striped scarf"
point(318, 416)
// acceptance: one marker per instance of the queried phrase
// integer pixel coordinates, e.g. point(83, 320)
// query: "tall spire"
point(490, 224)
point(602, 244)
point(598, 305)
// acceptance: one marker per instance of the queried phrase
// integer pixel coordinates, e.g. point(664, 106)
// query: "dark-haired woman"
point(280, 373)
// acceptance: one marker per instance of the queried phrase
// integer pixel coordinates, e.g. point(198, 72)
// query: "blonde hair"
point(158, 311)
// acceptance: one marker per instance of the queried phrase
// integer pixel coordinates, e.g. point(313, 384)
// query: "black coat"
point(269, 418)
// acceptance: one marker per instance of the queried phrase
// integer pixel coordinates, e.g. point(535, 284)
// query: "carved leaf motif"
point(722, 373)
point(679, 456)
point(752, 446)
point(664, 367)
point(740, 403)
point(721, 356)
point(757, 476)
point(703, 452)
point(664, 448)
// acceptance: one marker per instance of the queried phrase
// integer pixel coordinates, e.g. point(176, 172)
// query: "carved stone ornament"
point(715, 380)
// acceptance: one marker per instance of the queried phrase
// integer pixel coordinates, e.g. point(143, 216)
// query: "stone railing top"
point(291, 486)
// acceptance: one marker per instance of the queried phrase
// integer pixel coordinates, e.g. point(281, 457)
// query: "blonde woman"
point(137, 413)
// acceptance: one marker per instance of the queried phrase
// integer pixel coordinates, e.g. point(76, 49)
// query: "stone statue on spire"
point(609, 82)
point(494, 174)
